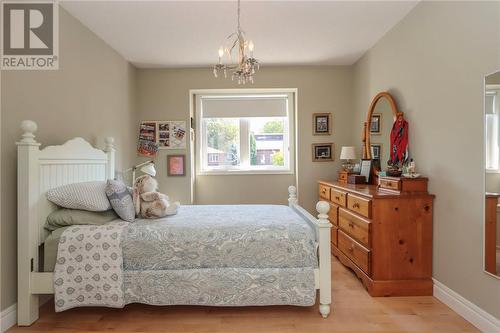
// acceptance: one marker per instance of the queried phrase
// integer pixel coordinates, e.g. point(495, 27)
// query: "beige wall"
point(431, 64)
point(91, 95)
point(164, 95)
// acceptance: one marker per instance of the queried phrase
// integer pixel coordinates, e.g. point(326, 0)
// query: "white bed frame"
point(39, 170)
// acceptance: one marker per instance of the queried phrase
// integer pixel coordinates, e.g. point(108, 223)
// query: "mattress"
point(214, 236)
point(50, 249)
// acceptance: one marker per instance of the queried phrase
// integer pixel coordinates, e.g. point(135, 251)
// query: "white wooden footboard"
point(323, 237)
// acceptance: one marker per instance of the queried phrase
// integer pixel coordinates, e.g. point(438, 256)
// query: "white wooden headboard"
point(40, 170)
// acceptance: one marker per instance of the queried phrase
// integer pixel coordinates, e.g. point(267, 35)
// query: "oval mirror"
point(381, 116)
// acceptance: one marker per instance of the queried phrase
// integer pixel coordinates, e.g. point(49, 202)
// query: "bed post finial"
point(109, 143)
point(110, 151)
point(292, 195)
point(323, 207)
point(29, 127)
point(325, 264)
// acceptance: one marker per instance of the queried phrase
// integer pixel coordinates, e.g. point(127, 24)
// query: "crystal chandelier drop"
point(246, 66)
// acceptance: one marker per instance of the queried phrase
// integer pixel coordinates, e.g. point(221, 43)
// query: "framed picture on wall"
point(323, 152)
point(376, 124)
point(376, 151)
point(366, 168)
point(322, 123)
point(176, 165)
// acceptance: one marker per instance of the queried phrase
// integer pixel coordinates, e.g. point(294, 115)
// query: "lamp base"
point(348, 167)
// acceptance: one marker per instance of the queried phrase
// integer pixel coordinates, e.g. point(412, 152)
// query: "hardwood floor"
point(353, 311)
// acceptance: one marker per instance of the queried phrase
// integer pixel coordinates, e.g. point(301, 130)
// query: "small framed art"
point(323, 152)
point(322, 123)
point(376, 151)
point(176, 165)
point(366, 168)
point(376, 124)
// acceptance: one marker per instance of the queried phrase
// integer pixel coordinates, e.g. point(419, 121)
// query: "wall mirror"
point(381, 116)
point(492, 174)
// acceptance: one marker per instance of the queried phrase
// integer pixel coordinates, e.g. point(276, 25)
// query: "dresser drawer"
point(359, 205)
point(389, 184)
point(355, 226)
point(338, 197)
point(333, 214)
point(335, 231)
point(324, 192)
point(354, 251)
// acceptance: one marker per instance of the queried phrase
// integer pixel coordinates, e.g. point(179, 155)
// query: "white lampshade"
point(348, 153)
point(149, 169)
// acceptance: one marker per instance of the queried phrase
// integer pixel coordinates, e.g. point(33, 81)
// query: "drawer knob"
point(351, 249)
point(351, 224)
point(355, 205)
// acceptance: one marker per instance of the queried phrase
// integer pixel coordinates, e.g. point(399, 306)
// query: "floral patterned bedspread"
point(247, 236)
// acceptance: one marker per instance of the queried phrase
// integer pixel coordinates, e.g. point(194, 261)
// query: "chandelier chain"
point(239, 3)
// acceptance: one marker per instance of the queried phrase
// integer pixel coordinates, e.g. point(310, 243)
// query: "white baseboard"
point(471, 312)
point(8, 317)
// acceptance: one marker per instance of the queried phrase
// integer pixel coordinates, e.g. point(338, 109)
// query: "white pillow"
point(89, 196)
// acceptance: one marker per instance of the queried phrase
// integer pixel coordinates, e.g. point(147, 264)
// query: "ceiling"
point(189, 33)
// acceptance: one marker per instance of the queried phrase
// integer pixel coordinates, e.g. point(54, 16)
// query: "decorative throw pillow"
point(121, 200)
point(89, 196)
point(65, 217)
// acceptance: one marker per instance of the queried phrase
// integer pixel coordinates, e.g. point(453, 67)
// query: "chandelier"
point(243, 71)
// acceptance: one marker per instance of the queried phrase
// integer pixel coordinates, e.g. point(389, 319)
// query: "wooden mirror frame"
point(367, 152)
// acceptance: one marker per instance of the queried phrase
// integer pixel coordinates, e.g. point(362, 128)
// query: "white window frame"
point(493, 90)
point(290, 135)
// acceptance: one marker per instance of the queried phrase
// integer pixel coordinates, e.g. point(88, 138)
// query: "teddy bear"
point(149, 203)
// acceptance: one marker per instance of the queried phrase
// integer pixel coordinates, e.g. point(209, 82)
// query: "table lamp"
point(147, 167)
point(348, 153)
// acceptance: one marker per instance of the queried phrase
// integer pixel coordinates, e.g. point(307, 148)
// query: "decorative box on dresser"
point(383, 235)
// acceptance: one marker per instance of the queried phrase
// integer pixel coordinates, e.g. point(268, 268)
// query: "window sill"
point(492, 171)
point(243, 172)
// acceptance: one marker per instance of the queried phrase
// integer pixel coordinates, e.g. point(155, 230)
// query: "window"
point(492, 147)
point(245, 133)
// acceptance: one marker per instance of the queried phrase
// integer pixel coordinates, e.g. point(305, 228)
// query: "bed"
point(214, 250)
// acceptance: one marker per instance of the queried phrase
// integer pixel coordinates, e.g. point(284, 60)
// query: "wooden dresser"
point(385, 237)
